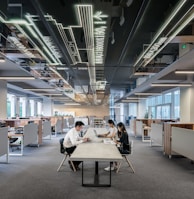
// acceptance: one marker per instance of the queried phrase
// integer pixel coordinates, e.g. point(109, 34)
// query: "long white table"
point(96, 151)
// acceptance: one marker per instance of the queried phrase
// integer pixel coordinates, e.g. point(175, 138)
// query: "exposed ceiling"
point(85, 49)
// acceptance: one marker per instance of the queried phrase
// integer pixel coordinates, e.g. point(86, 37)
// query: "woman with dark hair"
point(123, 141)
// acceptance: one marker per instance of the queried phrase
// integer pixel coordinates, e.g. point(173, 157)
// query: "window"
point(11, 102)
point(22, 108)
point(167, 98)
point(177, 104)
point(31, 107)
point(39, 108)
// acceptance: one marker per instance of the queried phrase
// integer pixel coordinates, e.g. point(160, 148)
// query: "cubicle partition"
point(4, 143)
point(168, 135)
point(30, 135)
point(182, 142)
point(139, 128)
point(59, 126)
point(46, 129)
point(22, 122)
point(156, 134)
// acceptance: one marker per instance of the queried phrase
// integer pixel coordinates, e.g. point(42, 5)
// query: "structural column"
point(47, 107)
point(3, 99)
point(186, 104)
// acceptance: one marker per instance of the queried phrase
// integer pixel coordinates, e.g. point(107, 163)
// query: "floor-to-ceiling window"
point(31, 107)
point(39, 108)
point(22, 108)
point(11, 103)
point(165, 106)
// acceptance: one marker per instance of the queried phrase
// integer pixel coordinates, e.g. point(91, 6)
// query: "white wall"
point(187, 104)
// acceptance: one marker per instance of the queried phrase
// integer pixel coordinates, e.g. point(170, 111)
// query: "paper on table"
point(108, 141)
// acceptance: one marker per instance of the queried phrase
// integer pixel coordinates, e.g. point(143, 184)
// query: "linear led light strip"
point(65, 39)
point(173, 84)
point(61, 28)
point(171, 37)
point(44, 44)
point(17, 78)
point(85, 16)
point(184, 72)
point(147, 94)
point(18, 24)
point(175, 11)
point(23, 22)
point(85, 13)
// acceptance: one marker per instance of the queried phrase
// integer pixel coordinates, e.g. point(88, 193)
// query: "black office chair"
point(63, 151)
point(126, 159)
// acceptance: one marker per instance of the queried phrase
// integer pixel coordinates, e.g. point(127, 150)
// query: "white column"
point(3, 99)
point(27, 107)
point(47, 107)
point(17, 106)
point(186, 104)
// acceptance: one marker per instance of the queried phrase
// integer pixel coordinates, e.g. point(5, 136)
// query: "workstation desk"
point(96, 151)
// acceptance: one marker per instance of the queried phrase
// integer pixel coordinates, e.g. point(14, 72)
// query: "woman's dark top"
point(124, 140)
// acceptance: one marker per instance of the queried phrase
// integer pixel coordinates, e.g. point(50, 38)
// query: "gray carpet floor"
point(35, 176)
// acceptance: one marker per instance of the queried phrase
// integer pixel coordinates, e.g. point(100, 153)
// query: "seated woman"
point(123, 141)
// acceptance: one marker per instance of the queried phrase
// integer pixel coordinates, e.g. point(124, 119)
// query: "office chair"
point(63, 151)
point(126, 159)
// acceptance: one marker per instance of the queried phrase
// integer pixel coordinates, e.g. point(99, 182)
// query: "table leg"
point(96, 177)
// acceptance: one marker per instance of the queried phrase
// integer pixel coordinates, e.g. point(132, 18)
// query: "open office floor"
point(34, 175)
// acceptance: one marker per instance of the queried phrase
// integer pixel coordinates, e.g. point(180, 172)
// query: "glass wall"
point(32, 106)
point(165, 106)
point(22, 108)
point(25, 109)
point(39, 108)
point(11, 104)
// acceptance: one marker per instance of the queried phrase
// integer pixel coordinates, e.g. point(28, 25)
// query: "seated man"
point(72, 139)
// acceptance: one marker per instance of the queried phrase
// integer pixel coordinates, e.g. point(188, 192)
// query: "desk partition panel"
point(46, 129)
point(156, 134)
point(183, 142)
point(30, 134)
point(4, 142)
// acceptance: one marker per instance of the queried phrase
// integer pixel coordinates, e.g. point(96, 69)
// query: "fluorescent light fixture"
point(71, 104)
point(17, 78)
point(144, 73)
point(134, 98)
point(184, 72)
point(133, 101)
point(171, 85)
point(49, 94)
point(147, 94)
point(2, 59)
point(62, 68)
point(40, 89)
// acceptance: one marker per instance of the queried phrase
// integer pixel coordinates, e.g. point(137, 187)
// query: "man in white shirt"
point(72, 139)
